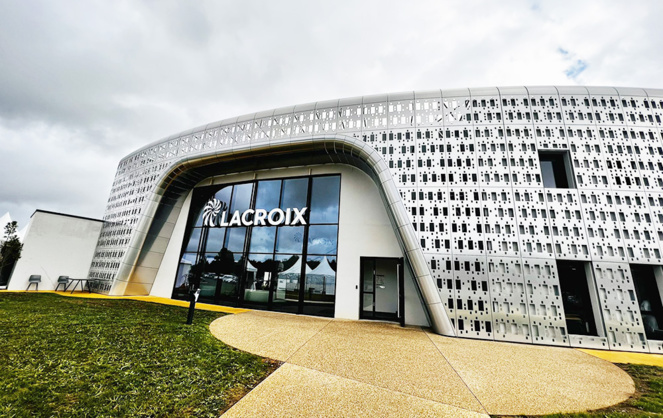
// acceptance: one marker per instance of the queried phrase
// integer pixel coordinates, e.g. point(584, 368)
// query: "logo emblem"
point(211, 211)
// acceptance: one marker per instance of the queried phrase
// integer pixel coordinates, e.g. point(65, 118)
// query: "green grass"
point(63, 356)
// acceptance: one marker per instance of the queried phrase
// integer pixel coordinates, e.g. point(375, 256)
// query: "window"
point(246, 245)
point(556, 170)
point(574, 282)
point(649, 299)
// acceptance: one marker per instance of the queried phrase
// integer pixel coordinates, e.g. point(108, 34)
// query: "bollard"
point(192, 306)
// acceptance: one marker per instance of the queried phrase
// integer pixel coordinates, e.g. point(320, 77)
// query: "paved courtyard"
point(360, 368)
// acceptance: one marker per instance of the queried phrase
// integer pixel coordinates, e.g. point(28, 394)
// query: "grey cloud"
point(84, 83)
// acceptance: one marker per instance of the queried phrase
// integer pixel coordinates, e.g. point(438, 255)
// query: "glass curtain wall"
point(265, 262)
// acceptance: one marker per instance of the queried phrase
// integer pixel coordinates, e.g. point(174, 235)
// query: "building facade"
point(526, 214)
point(54, 245)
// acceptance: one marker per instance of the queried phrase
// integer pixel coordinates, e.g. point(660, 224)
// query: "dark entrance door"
point(381, 294)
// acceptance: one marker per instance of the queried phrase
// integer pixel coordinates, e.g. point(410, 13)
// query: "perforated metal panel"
point(619, 304)
point(467, 165)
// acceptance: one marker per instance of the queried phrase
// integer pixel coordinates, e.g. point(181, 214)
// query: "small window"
point(556, 169)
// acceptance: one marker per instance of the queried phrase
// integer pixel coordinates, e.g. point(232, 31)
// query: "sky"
point(84, 83)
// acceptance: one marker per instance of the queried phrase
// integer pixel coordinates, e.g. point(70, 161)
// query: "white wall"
point(55, 245)
point(165, 278)
point(364, 231)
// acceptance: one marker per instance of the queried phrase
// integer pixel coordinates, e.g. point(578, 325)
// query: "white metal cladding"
point(466, 164)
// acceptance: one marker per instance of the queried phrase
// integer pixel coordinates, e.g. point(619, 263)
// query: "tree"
point(10, 251)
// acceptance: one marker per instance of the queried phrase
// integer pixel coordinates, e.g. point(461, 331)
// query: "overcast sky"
point(84, 83)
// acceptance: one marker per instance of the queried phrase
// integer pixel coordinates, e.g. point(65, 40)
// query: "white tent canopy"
point(295, 269)
point(322, 278)
point(323, 269)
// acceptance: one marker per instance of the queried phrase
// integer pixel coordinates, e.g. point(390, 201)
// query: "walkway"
point(358, 368)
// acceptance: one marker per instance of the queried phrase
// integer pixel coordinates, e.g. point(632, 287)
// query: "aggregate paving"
point(351, 368)
point(294, 391)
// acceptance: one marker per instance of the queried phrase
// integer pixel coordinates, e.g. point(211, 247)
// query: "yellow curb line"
point(152, 299)
point(626, 357)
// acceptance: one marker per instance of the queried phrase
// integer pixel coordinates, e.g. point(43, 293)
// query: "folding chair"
point(34, 279)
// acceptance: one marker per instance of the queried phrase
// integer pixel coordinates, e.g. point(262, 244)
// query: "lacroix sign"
point(215, 214)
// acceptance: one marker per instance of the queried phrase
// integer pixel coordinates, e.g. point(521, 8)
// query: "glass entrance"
point(381, 289)
point(266, 244)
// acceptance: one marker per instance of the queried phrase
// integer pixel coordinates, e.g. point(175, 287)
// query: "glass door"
point(381, 289)
point(367, 310)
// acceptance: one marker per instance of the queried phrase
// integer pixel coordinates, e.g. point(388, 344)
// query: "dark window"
point(556, 169)
point(649, 299)
point(577, 302)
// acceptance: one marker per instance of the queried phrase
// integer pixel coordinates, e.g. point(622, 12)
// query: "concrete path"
point(360, 368)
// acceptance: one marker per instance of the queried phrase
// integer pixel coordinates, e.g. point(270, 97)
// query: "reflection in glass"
point(368, 277)
point(184, 269)
point(192, 246)
point(368, 302)
point(241, 198)
point(235, 239)
point(207, 279)
point(320, 283)
point(322, 239)
point(261, 270)
point(226, 268)
point(223, 195)
point(278, 268)
point(290, 239)
point(324, 200)
point(262, 239)
point(214, 239)
point(368, 274)
point(289, 272)
point(294, 193)
point(268, 194)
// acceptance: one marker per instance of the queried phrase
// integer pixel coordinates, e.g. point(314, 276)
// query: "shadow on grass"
point(95, 357)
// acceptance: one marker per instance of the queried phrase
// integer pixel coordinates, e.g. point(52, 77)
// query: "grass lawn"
point(62, 356)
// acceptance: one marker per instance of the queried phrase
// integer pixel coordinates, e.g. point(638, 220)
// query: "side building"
point(526, 214)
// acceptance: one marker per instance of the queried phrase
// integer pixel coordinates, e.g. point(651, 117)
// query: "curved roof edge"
point(412, 95)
